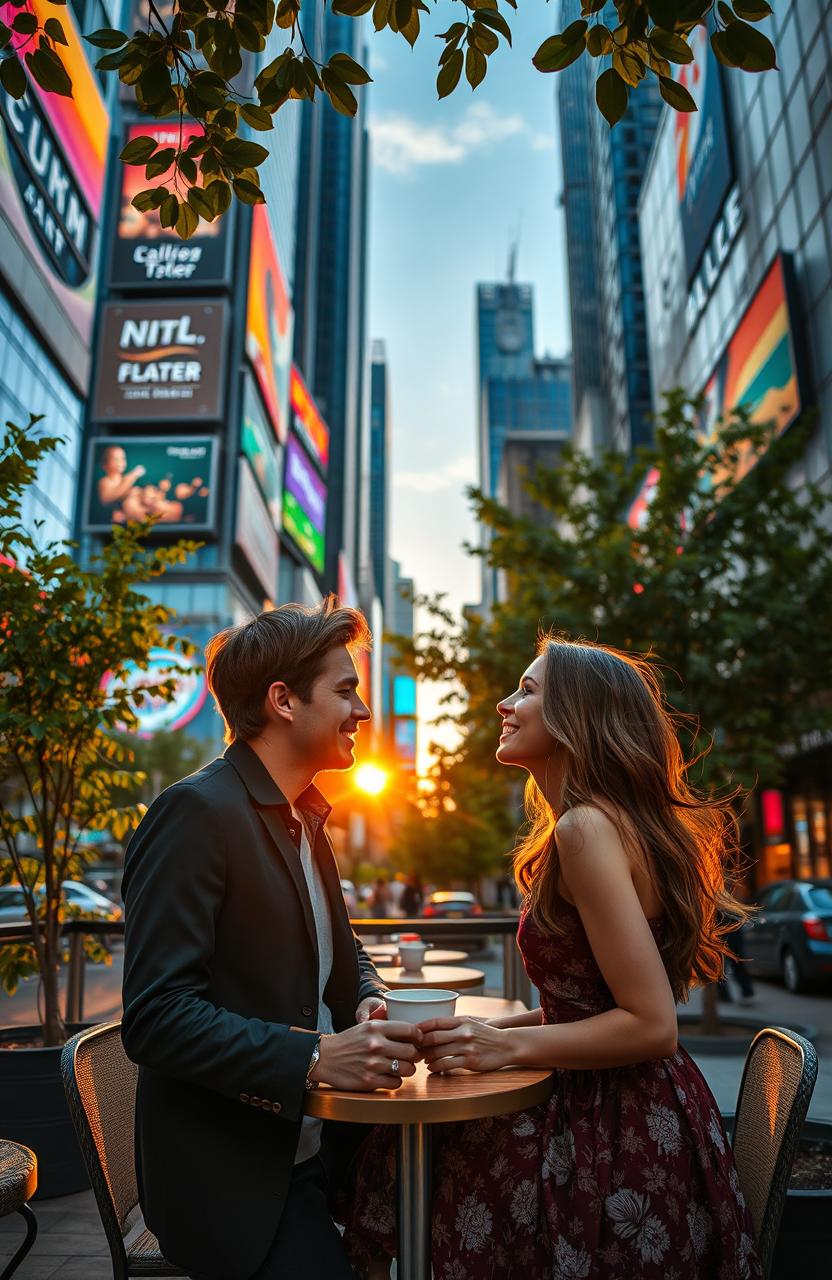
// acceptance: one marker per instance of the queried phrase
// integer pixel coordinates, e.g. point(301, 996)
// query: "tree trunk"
point(710, 1010)
point(54, 1031)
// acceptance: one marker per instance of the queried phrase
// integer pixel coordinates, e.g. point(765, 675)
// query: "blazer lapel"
point(273, 823)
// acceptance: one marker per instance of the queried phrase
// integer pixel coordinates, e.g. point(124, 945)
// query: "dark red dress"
point(624, 1174)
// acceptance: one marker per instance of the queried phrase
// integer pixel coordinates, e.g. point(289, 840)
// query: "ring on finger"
point(394, 1066)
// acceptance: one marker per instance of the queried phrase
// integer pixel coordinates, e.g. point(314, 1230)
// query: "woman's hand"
point(464, 1042)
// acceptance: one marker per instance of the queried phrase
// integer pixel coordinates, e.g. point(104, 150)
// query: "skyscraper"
point(379, 462)
point(603, 172)
point(330, 286)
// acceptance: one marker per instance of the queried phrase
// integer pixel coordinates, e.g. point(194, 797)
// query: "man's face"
point(325, 726)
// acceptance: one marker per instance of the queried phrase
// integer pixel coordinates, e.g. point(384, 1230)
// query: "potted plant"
point(69, 635)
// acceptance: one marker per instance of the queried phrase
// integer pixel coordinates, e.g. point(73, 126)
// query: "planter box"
point(34, 1111)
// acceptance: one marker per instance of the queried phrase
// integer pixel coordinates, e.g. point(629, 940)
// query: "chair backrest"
point(777, 1082)
point(100, 1085)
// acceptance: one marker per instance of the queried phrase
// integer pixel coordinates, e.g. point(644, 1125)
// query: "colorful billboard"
point(304, 505)
point(258, 445)
point(269, 323)
point(161, 358)
point(155, 713)
point(307, 422)
point(145, 252)
point(135, 477)
point(704, 168)
point(53, 155)
point(758, 368)
point(254, 533)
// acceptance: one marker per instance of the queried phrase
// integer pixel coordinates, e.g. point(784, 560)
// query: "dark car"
point(454, 904)
point(791, 934)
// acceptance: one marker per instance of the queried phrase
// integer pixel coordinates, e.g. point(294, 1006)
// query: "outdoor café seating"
point(100, 1082)
point(18, 1183)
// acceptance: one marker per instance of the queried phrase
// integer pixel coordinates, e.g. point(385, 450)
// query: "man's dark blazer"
point(221, 1005)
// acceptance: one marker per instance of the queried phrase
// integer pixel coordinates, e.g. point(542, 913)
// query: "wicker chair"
point(776, 1087)
point(18, 1183)
point(100, 1084)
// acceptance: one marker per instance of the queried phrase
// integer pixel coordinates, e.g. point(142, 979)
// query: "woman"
point(626, 1171)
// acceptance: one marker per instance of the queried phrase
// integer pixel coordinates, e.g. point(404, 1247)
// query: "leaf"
point(753, 51)
point(5, 35)
point(13, 77)
point(340, 95)
point(491, 18)
point(352, 8)
point(629, 66)
point(138, 150)
point(476, 65)
point(599, 40)
point(187, 221)
point(248, 192)
point(248, 37)
point(153, 85)
point(150, 199)
point(199, 200)
point(663, 13)
point(449, 74)
point(169, 211)
point(219, 193)
point(257, 117)
point(676, 95)
point(381, 13)
point(752, 10)
point(349, 70)
point(160, 162)
point(411, 28)
point(55, 31)
point(669, 46)
point(611, 95)
point(107, 38)
point(52, 78)
point(26, 24)
point(483, 38)
point(556, 53)
point(240, 153)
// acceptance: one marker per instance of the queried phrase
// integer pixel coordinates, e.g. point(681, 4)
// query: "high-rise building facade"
point(53, 168)
point(379, 475)
point(603, 171)
point(736, 228)
point(330, 274)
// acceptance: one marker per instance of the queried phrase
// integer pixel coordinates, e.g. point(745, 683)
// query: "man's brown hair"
point(288, 643)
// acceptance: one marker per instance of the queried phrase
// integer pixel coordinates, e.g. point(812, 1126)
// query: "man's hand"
point(362, 1057)
point(464, 1042)
point(372, 1007)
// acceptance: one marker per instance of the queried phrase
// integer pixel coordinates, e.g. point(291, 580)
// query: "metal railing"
point(516, 985)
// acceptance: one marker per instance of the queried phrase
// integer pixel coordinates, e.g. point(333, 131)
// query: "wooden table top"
point(437, 976)
point(435, 1099)
point(389, 955)
point(488, 1007)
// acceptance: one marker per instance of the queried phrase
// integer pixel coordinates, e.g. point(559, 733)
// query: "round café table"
point(389, 955)
point(439, 976)
point(422, 1101)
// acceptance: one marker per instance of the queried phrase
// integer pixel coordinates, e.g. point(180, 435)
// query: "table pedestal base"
point(414, 1202)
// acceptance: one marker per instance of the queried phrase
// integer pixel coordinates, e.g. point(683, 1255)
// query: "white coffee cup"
point(412, 955)
point(413, 1005)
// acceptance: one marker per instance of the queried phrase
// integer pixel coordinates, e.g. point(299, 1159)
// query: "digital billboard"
point(53, 154)
point(758, 368)
point(704, 168)
point(404, 696)
point(304, 504)
point(307, 422)
point(259, 446)
point(404, 742)
point(269, 323)
point(161, 358)
point(155, 713)
point(254, 534)
point(172, 478)
point(145, 252)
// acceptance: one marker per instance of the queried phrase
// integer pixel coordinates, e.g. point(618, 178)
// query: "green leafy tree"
point(727, 584)
point(188, 60)
point(68, 633)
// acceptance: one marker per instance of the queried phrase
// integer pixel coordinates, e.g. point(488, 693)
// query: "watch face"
point(509, 331)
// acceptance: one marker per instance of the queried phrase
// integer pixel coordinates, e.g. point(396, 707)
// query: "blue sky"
point(451, 184)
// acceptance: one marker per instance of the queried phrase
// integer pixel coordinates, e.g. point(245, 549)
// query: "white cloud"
point(453, 474)
point(402, 143)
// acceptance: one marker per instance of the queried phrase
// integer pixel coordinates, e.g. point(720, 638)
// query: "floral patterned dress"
point(624, 1174)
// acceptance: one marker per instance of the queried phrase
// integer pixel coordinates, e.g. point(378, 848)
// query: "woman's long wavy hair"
point(616, 739)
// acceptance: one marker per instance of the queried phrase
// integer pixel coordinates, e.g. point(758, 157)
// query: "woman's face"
point(525, 738)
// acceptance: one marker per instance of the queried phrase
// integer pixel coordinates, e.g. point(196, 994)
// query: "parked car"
point(791, 934)
point(454, 904)
point(80, 896)
point(12, 905)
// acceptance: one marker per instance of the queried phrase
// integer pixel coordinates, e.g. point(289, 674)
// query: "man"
point(244, 984)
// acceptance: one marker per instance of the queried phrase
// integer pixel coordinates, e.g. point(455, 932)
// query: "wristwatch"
point(313, 1062)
